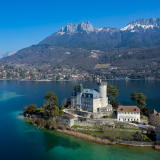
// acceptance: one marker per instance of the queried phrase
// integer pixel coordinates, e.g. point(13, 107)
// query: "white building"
point(90, 99)
point(128, 113)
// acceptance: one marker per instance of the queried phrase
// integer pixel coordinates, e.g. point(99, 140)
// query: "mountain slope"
point(138, 33)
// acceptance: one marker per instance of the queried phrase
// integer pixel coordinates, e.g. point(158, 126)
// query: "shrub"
point(145, 137)
point(92, 116)
point(60, 112)
point(135, 122)
point(81, 119)
point(121, 126)
point(114, 104)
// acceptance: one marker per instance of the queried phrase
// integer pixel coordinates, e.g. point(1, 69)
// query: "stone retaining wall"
point(84, 123)
point(68, 122)
point(88, 114)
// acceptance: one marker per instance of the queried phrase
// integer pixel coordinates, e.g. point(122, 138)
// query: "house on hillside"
point(91, 100)
point(128, 113)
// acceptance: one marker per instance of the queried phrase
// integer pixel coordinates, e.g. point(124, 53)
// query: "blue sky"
point(27, 22)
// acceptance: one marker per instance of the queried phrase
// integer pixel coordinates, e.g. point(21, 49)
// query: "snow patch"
point(131, 26)
point(98, 29)
point(61, 33)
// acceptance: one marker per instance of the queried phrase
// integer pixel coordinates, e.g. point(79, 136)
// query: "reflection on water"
point(52, 140)
point(23, 141)
point(4, 96)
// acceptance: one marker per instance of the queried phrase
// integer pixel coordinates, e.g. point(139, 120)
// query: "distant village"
point(46, 72)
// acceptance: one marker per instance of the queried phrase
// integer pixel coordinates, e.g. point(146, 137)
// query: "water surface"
point(21, 141)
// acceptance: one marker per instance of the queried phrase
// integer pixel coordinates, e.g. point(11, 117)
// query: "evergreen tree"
point(134, 97)
point(51, 104)
point(141, 100)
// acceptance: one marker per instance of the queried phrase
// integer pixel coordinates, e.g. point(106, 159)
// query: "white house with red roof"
point(128, 113)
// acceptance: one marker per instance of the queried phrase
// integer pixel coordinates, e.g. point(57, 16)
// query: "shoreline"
point(74, 80)
point(97, 139)
point(87, 137)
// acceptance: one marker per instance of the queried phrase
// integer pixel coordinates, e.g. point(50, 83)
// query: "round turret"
point(103, 92)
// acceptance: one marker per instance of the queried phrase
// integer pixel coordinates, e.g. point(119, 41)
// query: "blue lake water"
point(21, 141)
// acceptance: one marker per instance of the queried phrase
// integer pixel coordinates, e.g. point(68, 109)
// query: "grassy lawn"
point(88, 127)
point(97, 133)
point(119, 123)
point(108, 134)
point(129, 128)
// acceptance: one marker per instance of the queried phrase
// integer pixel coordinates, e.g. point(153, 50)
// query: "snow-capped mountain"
point(7, 54)
point(142, 23)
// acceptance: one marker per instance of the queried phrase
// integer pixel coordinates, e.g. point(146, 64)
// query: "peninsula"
point(95, 115)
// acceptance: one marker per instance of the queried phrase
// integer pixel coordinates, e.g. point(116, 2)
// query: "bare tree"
point(154, 120)
point(64, 102)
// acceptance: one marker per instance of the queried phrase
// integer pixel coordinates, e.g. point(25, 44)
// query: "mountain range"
point(83, 46)
point(138, 33)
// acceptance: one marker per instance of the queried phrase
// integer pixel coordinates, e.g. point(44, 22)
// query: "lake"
point(21, 141)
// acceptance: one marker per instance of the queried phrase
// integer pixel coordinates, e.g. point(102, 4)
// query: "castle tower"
point(103, 92)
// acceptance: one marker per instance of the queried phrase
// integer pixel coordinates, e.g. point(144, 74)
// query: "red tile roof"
point(128, 109)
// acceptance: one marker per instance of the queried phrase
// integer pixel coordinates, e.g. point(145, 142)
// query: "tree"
point(112, 92)
point(76, 87)
point(134, 97)
point(92, 116)
point(114, 104)
point(30, 109)
point(58, 77)
point(145, 111)
point(137, 136)
point(139, 99)
point(64, 102)
point(51, 98)
point(51, 104)
point(154, 120)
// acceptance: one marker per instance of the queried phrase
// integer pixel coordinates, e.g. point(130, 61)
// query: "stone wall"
point(84, 123)
point(68, 122)
point(88, 114)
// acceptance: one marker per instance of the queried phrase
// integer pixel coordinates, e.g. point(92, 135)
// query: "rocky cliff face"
point(138, 33)
point(143, 23)
point(78, 27)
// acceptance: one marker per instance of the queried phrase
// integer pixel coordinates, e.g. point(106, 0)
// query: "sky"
point(27, 22)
